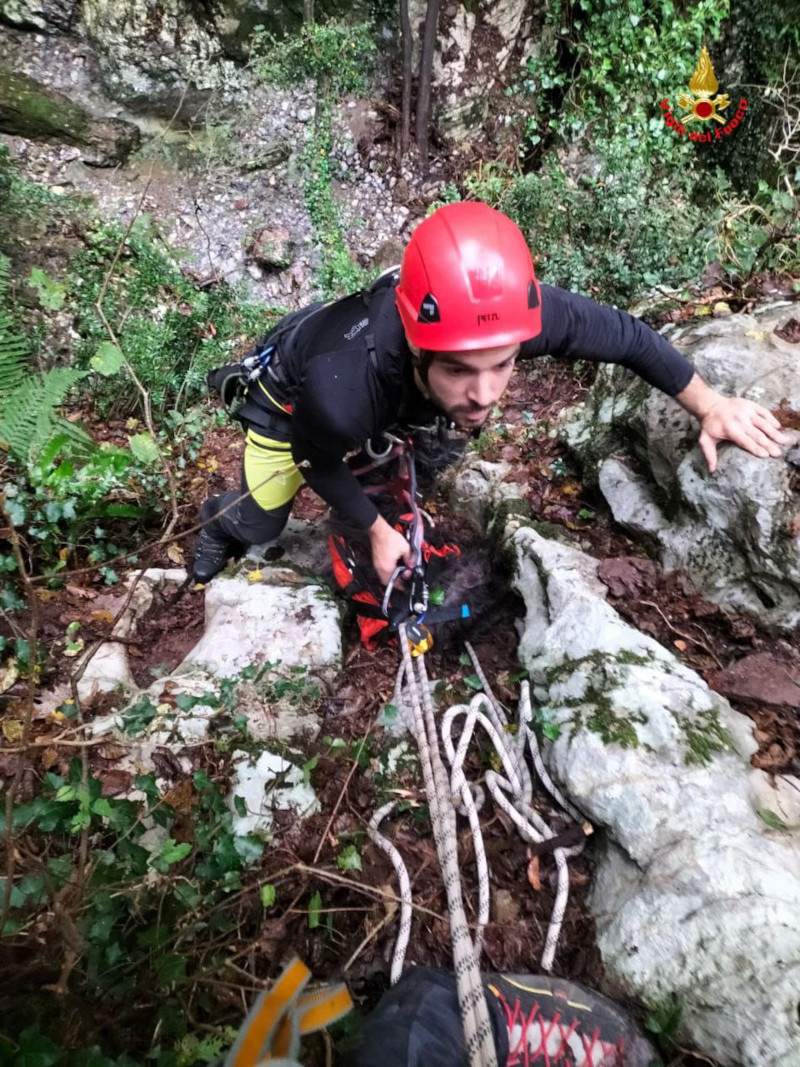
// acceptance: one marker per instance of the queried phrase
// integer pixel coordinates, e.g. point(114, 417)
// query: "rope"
point(511, 790)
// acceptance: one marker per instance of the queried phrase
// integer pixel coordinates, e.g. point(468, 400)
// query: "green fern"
point(28, 403)
point(29, 419)
point(13, 347)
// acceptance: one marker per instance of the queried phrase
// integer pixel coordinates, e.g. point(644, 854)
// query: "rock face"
point(474, 44)
point(695, 895)
point(149, 52)
point(737, 532)
point(51, 16)
point(31, 110)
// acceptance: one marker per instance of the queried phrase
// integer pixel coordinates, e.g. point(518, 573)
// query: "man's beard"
point(458, 414)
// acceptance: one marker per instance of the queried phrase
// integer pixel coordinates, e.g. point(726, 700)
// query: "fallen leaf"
point(12, 730)
point(533, 874)
point(81, 592)
point(115, 782)
point(162, 709)
point(255, 576)
point(569, 488)
point(110, 751)
point(74, 647)
point(8, 675)
point(181, 796)
point(680, 645)
point(47, 594)
point(175, 555)
point(103, 616)
point(49, 758)
point(63, 554)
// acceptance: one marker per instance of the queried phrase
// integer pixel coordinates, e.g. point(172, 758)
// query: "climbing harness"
point(411, 605)
point(511, 789)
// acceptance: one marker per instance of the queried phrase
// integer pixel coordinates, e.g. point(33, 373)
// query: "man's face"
point(467, 385)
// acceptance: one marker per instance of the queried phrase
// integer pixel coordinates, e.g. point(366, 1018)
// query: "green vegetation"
point(170, 332)
point(337, 58)
point(640, 207)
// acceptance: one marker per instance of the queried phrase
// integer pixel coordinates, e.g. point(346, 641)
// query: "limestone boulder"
point(251, 623)
point(736, 532)
point(29, 109)
point(697, 890)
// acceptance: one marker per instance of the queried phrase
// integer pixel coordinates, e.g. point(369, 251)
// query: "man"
point(439, 341)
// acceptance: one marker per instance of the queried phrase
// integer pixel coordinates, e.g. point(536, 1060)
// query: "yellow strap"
point(254, 438)
point(321, 1008)
point(271, 398)
point(270, 1006)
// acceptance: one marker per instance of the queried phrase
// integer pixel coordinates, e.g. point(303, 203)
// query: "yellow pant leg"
point(270, 471)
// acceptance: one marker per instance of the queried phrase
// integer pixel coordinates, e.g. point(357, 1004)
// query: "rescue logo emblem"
point(702, 104)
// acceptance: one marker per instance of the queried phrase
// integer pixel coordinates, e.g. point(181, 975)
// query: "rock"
point(107, 670)
point(781, 797)
point(29, 109)
point(695, 895)
point(273, 248)
point(735, 532)
point(149, 53)
point(479, 489)
point(388, 255)
point(51, 16)
point(266, 785)
point(762, 678)
point(249, 623)
point(301, 545)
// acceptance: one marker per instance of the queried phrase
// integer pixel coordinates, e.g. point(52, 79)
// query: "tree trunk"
point(424, 83)
point(308, 11)
point(405, 37)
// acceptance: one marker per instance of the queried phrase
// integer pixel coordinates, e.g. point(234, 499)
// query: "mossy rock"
point(29, 109)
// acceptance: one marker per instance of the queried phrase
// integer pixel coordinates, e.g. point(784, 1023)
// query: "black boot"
point(213, 548)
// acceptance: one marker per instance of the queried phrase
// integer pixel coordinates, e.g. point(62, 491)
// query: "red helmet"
point(467, 281)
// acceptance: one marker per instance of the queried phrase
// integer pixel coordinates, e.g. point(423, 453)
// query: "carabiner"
point(391, 443)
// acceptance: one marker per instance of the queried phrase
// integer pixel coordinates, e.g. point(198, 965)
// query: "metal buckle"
point(391, 442)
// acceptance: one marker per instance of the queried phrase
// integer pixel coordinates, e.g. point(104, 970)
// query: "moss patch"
point(704, 735)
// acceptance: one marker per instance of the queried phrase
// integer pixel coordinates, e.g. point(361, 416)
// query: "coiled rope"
point(511, 790)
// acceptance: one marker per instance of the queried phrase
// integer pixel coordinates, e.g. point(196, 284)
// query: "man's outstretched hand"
point(389, 548)
point(749, 425)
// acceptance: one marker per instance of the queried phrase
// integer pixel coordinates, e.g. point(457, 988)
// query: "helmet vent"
point(429, 309)
point(533, 296)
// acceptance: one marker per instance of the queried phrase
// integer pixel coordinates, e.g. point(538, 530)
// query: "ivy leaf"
point(170, 853)
point(170, 968)
point(51, 294)
point(35, 1050)
point(474, 682)
point(144, 448)
point(349, 859)
point(268, 895)
point(107, 360)
point(770, 819)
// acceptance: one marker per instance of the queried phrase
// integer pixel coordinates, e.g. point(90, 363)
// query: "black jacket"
point(345, 370)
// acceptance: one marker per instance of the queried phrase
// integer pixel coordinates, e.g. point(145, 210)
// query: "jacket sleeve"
point(575, 327)
point(328, 422)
